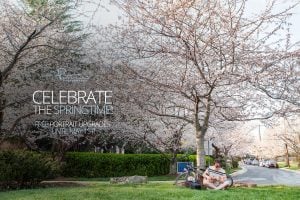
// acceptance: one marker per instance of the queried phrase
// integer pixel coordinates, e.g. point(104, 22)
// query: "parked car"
point(262, 163)
point(271, 163)
point(254, 162)
point(248, 161)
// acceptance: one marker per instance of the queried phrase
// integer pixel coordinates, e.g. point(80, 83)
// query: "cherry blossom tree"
point(202, 56)
point(35, 36)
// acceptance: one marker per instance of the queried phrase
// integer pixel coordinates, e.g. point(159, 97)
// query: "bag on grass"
point(195, 185)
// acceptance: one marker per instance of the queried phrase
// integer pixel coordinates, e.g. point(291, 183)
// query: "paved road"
point(266, 176)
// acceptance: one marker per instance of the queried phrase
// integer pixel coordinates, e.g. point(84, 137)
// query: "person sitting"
point(215, 177)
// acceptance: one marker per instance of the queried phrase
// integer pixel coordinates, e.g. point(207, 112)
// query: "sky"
point(105, 13)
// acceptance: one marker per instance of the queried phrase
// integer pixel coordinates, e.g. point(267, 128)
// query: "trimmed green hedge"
point(87, 164)
point(192, 158)
point(20, 169)
point(90, 164)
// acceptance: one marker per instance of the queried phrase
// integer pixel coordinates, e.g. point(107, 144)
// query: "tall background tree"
point(202, 57)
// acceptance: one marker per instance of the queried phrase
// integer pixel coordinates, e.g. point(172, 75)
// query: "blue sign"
point(181, 166)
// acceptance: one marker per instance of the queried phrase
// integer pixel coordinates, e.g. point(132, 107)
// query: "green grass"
point(293, 165)
point(231, 170)
point(162, 178)
point(153, 191)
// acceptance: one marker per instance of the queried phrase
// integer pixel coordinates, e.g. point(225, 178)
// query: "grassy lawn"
point(232, 170)
point(293, 165)
point(151, 191)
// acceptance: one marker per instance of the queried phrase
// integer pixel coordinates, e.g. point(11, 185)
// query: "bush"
point(90, 164)
point(192, 158)
point(235, 163)
point(20, 169)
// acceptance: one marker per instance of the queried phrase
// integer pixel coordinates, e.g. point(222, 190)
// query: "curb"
point(242, 171)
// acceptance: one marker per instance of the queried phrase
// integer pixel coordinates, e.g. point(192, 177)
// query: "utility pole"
point(287, 159)
point(259, 135)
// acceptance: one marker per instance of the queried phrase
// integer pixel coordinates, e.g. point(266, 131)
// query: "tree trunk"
point(200, 151)
point(117, 149)
point(200, 132)
point(123, 148)
point(173, 164)
point(173, 167)
point(287, 159)
point(2, 105)
point(226, 156)
point(217, 150)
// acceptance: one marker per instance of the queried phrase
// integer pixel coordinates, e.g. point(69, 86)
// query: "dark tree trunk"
point(173, 164)
point(217, 150)
point(2, 102)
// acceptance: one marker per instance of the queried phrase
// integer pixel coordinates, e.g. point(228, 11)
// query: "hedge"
point(20, 169)
point(192, 158)
point(90, 164)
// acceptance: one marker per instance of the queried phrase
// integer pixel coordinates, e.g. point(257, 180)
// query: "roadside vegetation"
point(150, 191)
point(293, 165)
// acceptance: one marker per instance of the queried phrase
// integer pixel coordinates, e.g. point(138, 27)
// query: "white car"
point(262, 163)
point(271, 163)
point(254, 162)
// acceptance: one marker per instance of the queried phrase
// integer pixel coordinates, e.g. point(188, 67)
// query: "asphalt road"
point(266, 176)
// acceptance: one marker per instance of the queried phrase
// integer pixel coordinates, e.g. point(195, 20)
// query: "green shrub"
point(192, 158)
point(90, 164)
point(235, 163)
point(19, 169)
